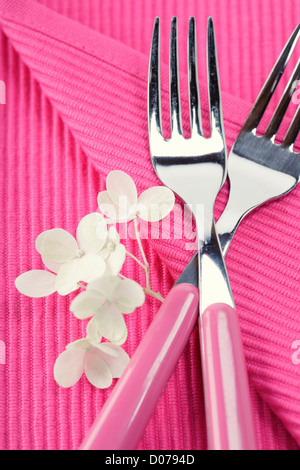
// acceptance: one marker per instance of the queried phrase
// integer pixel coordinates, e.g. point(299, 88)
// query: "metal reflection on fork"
point(258, 168)
point(195, 169)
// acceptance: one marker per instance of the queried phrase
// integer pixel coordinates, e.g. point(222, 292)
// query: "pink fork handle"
point(126, 413)
point(229, 418)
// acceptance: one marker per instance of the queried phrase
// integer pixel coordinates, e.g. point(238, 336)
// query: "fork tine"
point(195, 115)
point(293, 130)
point(154, 101)
point(270, 85)
point(213, 80)
point(283, 104)
point(176, 126)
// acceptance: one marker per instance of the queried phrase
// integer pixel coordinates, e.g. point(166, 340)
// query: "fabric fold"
point(99, 88)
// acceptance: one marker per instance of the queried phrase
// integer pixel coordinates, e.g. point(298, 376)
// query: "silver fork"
point(258, 168)
point(195, 169)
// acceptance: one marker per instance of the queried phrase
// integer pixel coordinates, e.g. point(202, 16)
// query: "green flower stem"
point(82, 286)
point(136, 259)
point(156, 295)
point(146, 264)
point(122, 276)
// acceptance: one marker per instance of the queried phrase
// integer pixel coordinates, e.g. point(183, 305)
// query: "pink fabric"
point(76, 87)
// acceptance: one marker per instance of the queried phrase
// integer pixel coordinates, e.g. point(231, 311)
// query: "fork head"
point(259, 169)
point(264, 151)
point(195, 167)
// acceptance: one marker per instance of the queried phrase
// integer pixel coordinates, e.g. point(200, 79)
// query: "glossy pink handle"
point(130, 406)
point(229, 417)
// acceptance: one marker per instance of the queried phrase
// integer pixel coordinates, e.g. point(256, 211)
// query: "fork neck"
point(212, 274)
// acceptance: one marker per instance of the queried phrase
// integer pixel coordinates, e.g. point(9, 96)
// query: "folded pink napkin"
point(76, 108)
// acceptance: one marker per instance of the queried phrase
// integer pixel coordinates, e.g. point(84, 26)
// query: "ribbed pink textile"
point(76, 88)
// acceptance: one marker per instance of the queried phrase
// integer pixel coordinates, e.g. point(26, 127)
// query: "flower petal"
point(69, 367)
point(122, 338)
point(113, 240)
point(86, 304)
point(67, 278)
point(97, 370)
point(54, 267)
point(92, 332)
point(121, 189)
point(116, 358)
point(36, 283)
point(86, 269)
point(94, 335)
point(90, 267)
point(101, 231)
point(110, 323)
point(110, 209)
point(104, 253)
point(82, 343)
point(155, 203)
point(56, 245)
point(86, 233)
point(115, 260)
point(38, 241)
point(113, 235)
point(106, 285)
point(128, 296)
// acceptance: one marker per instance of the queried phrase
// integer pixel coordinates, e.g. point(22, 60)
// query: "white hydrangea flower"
point(106, 299)
point(120, 201)
point(113, 252)
point(36, 283)
point(94, 333)
point(101, 362)
point(72, 260)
